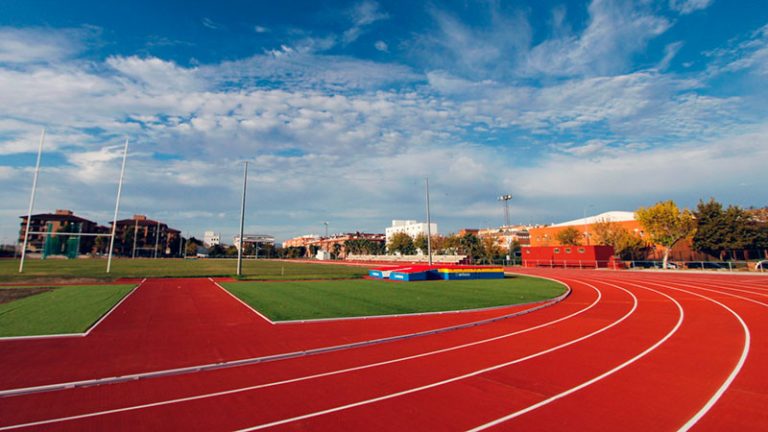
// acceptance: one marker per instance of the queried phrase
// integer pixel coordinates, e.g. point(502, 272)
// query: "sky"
point(344, 108)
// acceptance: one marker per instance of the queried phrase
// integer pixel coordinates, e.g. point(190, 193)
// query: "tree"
point(490, 249)
point(625, 244)
point(216, 251)
point(420, 243)
point(711, 229)
point(469, 245)
point(666, 225)
point(191, 247)
point(401, 242)
point(570, 236)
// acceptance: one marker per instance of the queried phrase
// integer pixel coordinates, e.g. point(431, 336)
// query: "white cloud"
point(381, 46)
point(615, 31)
point(156, 73)
point(211, 24)
point(363, 15)
point(685, 7)
point(260, 29)
point(40, 45)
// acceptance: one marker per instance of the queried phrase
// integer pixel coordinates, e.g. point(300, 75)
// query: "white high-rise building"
point(211, 238)
point(411, 227)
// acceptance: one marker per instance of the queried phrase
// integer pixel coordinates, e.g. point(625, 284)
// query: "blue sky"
point(344, 107)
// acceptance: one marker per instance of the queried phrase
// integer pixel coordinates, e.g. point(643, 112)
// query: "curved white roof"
point(611, 216)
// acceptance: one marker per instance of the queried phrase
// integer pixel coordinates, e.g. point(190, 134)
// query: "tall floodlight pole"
point(429, 225)
point(157, 237)
point(117, 207)
point(32, 200)
point(506, 198)
point(135, 234)
point(326, 229)
point(242, 222)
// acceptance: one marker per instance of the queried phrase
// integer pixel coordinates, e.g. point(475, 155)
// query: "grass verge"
point(349, 298)
point(67, 309)
point(95, 269)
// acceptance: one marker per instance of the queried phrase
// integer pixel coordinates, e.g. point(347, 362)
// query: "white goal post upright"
point(117, 207)
point(31, 200)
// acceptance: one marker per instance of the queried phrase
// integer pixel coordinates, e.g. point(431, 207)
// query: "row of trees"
point(453, 244)
point(712, 229)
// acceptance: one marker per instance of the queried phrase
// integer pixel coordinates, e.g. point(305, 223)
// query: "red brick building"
point(54, 225)
point(143, 237)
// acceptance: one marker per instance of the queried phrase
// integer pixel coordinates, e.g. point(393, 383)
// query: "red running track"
point(629, 351)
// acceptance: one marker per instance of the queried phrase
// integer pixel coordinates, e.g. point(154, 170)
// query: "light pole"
point(429, 225)
point(584, 220)
point(326, 229)
point(506, 198)
point(242, 222)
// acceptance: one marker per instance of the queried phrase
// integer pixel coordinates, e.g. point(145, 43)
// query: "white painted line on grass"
point(261, 315)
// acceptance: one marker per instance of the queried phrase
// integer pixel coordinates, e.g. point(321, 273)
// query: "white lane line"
point(681, 316)
point(307, 377)
point(739, 364)
point(261, 315)
point(449, 380)
point(69, 335)
point(273, 357)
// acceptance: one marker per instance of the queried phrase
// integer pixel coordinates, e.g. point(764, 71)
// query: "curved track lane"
point(628, 351)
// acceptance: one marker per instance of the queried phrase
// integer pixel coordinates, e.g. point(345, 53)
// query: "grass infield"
point(349, 298)
point(95, 269)
point(67, 309)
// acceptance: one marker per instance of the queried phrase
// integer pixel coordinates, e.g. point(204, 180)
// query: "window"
point(581, 250)
point(557, 250)
point(567, 250)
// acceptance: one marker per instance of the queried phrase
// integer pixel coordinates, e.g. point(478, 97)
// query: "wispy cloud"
point(615, 31)
point(363, 15)
point(41, 45)
point(211, 24)
point(685, 7)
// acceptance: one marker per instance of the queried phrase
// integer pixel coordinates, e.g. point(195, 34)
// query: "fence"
point(714, 266)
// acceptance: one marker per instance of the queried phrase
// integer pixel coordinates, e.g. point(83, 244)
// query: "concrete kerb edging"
point(277, 357)
point(76, 335)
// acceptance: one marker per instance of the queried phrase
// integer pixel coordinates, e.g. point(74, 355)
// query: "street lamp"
point(506, 198)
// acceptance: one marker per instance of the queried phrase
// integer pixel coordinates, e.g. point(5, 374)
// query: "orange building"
point(547, 235)
point(506, 235)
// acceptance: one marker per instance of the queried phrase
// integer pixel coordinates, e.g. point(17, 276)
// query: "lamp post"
point(326, 229)
point(429, 225)
point(506, 198)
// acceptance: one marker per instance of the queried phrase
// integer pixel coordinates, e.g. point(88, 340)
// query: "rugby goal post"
point(32, 204)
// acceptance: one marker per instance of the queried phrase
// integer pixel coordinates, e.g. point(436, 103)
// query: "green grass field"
point(348, 298)
point(68, 309)
point(37, 269)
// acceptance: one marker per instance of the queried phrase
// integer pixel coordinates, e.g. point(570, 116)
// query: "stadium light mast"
point(117, 207)
point(429, 225)
point(506, 198)
point(326, 229)
point(32, 200)
point(242, 222)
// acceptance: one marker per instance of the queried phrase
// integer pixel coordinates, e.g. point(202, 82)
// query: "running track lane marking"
point(274, 357)
point(304, 378)
point(745, 351)
point(87, 332)
point(597, 378)
point(450, 380)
